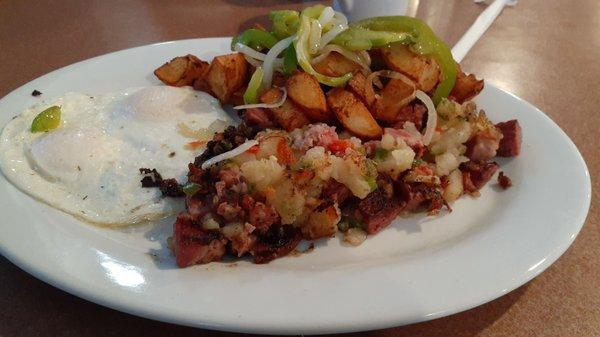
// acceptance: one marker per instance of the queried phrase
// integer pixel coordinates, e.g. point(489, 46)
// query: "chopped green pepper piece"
point(381, 153)
point(290, 62)
point(255, 38)
point(253, 90)
point(381, 31)
point(190, 189)
point(46, 120)
point(285, 23)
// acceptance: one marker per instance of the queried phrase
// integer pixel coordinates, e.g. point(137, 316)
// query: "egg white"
point(89, 165)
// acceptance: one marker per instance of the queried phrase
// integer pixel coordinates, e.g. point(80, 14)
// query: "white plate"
point(417, 269)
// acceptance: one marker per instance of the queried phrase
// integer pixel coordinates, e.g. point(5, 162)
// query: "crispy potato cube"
point(358, 86)
point(353, 114)
point(422, 69)
point(335, 64)
point(305, 91)
point(466, 87)
point(227, 74)
point(288, 115)
point(393, 98)
point(322, 222)
point(182, 70)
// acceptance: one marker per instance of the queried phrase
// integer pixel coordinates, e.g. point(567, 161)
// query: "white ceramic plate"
point(417, 269)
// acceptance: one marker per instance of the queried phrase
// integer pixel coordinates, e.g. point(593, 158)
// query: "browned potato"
point(182, 70)
point(288, 115)
point(305, 91)
point(466, 87)
point(392, 100)
point(422, 69)
point(227, 74)
point(353, 114)
point(336, 65)
point(322, 222)
point(358, 86)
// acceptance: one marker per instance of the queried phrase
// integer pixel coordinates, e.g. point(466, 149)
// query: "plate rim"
point(98, 298)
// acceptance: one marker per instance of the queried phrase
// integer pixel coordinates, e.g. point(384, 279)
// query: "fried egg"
point(89, 165)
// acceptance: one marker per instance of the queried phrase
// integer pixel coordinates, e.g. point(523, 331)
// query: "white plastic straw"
point(481, 24)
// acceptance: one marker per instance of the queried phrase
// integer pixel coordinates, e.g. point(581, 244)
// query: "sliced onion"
point(269, 61)
point(431, 116)
point(331, 34)
point(326, 16)
point(254, 62)
point(242, 48)
point(365, 56)
point(389, 74)
point(265, 105)
point(341, 18)
point(314, 37)
point(229, 154)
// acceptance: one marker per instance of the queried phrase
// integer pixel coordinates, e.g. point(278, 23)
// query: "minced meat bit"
point(504, 181)
point(168, 187)
point(36, 93)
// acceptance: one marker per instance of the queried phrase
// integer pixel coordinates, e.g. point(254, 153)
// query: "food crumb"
point(85, 197)
point(36, 93)
point(504, 181)
point(172, 154)
point(231, 265)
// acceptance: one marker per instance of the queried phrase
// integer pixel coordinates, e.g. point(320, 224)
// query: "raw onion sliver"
point(331, 34)
point(242, 48)
point(229, 154)
point(269, 63)
point(431, 116)
point(254, 62)
point(265, 105)
point(326, 16)
point(314, 38)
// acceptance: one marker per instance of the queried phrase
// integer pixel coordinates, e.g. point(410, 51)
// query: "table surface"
point(543, 51)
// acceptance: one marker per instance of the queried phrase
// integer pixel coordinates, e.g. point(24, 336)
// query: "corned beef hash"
point(344, 128)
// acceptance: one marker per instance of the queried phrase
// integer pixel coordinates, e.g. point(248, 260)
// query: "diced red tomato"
point(339, 145)
point(253, 150)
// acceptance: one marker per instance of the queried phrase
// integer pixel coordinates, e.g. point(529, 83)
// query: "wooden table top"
point(543, 51)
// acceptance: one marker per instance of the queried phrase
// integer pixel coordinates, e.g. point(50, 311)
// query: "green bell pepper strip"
point(46, 120)
point(290, 62)
point(382, 31)
point(253, 90)
point(255, 38)
point(301, 46)
point(285, 23)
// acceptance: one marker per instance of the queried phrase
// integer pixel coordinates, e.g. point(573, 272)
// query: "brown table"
point(543, 51)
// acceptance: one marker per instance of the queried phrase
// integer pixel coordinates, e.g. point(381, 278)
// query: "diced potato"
point(353, 114)
point(182, 70)
point(393, 98)
point(454, 189)
point(336, 65)
point(466, 87)
point(287, 200)
point(227, 74)
point(322, 222)
point(305, 91)
point(422, 69)
point(288, 115)
point(358, 86)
